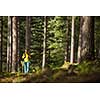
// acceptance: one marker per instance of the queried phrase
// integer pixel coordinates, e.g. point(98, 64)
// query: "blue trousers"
point(26, 67)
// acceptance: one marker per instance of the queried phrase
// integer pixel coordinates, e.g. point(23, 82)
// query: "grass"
point(87, 71)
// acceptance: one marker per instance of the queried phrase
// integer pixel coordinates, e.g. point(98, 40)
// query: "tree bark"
point(67, 40)
point(91, 49)
point(1, 41)
point(28, 33)
point(86, 39)
point(14, 43)
point(19, 55)
point(72, 41)
point(80, 43)
point(44, 43)
point(9, 45)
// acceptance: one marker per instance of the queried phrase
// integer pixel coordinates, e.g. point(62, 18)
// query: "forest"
point(61, 49)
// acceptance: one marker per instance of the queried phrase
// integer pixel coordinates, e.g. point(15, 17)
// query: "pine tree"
point(44, 43)
point(1, 41)
point(72, 41)
point(18, 44)
point(67, 41)
point(86, 39)
point(14, 43)
point(28, 34)
point(9, 44)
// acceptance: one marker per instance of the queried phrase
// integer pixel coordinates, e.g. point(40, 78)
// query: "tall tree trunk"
point(28, 34)
point(9, 45)
point(14, 43)
point(86, 39)
point(44, 43)
point(80, 43)
point(67, 40)
point(19, 55)
point(91, 49)
point(72, 41)
point(1, 41)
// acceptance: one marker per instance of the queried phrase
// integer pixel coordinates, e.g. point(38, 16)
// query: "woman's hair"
point(26, 50)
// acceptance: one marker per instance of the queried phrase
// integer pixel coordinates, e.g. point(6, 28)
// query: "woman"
point(26, 57)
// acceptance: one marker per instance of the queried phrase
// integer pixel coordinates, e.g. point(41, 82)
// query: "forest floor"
point(86, 72)
point(59, 76)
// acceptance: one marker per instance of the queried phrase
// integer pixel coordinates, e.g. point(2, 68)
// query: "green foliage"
point(88, 67)
point(22, 33)
point(97, 36)
point(56, 40)
point(57, 27)
point(36, 40)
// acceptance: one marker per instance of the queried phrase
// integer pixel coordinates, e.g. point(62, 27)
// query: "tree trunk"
point(44, 43)
point(80, 43)
point(72, 41)
point(1, 42)
point(19, 55)
point(28, 34)
point(9, 45)
point(91, 49)
point(86, 39)
point(67, 40)
point(14, 43)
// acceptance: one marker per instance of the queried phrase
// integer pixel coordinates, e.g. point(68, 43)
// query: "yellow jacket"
point(25, 57)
